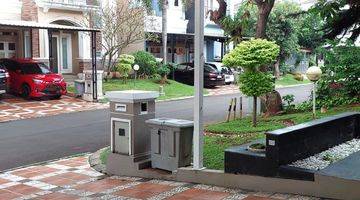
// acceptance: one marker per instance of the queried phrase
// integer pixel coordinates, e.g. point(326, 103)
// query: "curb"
point(289, 86)
point(95, 162)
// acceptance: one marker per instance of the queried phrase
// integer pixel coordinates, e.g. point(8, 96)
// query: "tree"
point(284, 31)
point(341, 17)
point(264, 9)
point(252, 56)
point(121, 24)
point(124, 65)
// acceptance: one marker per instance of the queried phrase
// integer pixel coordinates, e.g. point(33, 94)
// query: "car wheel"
point(25, 91)
point(56, 97)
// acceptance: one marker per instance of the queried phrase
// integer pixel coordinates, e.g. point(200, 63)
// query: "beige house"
point(48, 30)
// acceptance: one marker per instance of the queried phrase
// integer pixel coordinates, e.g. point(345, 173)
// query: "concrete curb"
point(289, 86)
point(95, 162)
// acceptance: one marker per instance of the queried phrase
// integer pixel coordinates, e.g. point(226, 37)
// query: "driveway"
point(15, 108)
point(34, 140)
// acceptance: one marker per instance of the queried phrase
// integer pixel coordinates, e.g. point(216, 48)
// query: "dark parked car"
point(184, 73)
point(4, 80)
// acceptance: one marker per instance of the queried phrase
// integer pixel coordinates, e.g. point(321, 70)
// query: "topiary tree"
point(124, 65)
point(253, 56)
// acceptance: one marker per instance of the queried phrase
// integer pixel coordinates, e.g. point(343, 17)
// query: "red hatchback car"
point(33, 79)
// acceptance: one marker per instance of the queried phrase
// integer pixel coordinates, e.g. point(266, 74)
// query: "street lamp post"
point(136, 68)
point(314, 74)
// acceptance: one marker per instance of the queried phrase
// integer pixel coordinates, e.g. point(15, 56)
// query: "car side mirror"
point(18, 71)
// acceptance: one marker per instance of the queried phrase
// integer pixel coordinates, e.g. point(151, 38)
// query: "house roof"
point(37, 25)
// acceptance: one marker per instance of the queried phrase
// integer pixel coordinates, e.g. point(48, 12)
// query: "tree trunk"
point(254, 121)
point(264, 8)
point(277, 69)
point(164, 29)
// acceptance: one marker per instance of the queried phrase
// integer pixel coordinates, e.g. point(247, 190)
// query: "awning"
point(32, 24)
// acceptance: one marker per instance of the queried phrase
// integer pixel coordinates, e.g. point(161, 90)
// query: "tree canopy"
point(252, 54)
point(341, 17)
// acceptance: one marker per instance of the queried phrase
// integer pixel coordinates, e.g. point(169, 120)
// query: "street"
point(25, 142)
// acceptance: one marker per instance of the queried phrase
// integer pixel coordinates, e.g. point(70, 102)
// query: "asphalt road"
point(36, 140)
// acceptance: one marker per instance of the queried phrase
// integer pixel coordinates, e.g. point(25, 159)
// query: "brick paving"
point(73, 178)
point(223, 90)
point(15, 108)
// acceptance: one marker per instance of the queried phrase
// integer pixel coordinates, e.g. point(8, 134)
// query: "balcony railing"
point(68, 4)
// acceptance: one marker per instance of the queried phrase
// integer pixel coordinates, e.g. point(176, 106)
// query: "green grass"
point(172, 90)
point(104, 155)
point(227, 134)
point(288, 79)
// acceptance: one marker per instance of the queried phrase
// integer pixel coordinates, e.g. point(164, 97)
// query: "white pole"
point(199, 85)
point(314, 100)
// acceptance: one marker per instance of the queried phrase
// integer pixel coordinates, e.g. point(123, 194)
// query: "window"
point(12, 47)
point(176, 3)
point(144, 108)
point(35, 68)
point(27, 44)
point(1, 46)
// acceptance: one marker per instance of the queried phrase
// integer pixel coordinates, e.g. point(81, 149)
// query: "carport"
point(30, 25)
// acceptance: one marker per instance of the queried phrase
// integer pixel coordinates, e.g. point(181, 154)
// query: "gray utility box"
point(129, 133)
point(171, 143)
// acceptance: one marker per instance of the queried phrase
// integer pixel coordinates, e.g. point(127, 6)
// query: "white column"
point(199, 85)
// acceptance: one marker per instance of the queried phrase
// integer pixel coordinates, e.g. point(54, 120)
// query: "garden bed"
point(332, 155)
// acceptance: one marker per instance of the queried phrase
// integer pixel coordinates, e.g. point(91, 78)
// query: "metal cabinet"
point(121, 130)
point(171, 143)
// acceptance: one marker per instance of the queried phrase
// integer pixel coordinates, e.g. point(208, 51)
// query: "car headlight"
point(38, 81)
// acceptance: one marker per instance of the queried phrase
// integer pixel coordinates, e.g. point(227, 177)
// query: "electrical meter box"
point(171, 143)
point(129, 133)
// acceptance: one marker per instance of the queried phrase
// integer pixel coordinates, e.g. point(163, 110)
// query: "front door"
point(54, 54)
point(66, 58)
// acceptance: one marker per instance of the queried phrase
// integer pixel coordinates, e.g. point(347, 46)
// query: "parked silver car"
point(226, 71)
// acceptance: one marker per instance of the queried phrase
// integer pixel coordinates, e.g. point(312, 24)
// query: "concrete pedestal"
point(88, 95)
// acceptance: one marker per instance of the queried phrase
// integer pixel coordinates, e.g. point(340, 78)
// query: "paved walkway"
point(223, 90)
point(15, 108)
point(73, 178)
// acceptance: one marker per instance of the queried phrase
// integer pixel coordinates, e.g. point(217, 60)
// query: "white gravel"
point(325, 158)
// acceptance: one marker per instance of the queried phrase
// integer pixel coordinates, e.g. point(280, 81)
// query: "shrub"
point(340, 84)
point(147, 63)
point(298, 76)
point(253, 55)
point(289, 99)
point(256, 84)
point(124, 66)
point(163, 70)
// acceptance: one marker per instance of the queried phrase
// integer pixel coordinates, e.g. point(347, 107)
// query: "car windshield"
point(35, 68)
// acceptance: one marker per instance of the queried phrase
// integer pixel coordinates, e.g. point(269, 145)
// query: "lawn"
point(238, 132)
point(172, 90)
point(288, 79)
point(227, 134)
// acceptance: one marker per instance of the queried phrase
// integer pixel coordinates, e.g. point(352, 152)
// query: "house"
point(52, 31)
point(181, 32)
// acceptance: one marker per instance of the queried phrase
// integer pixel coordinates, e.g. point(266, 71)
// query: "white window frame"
point(6, 50)
point(69, 51)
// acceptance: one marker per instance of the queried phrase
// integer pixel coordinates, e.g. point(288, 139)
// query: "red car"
point(33, 79)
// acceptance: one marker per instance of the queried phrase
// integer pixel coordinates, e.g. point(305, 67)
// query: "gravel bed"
point(325, 158)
